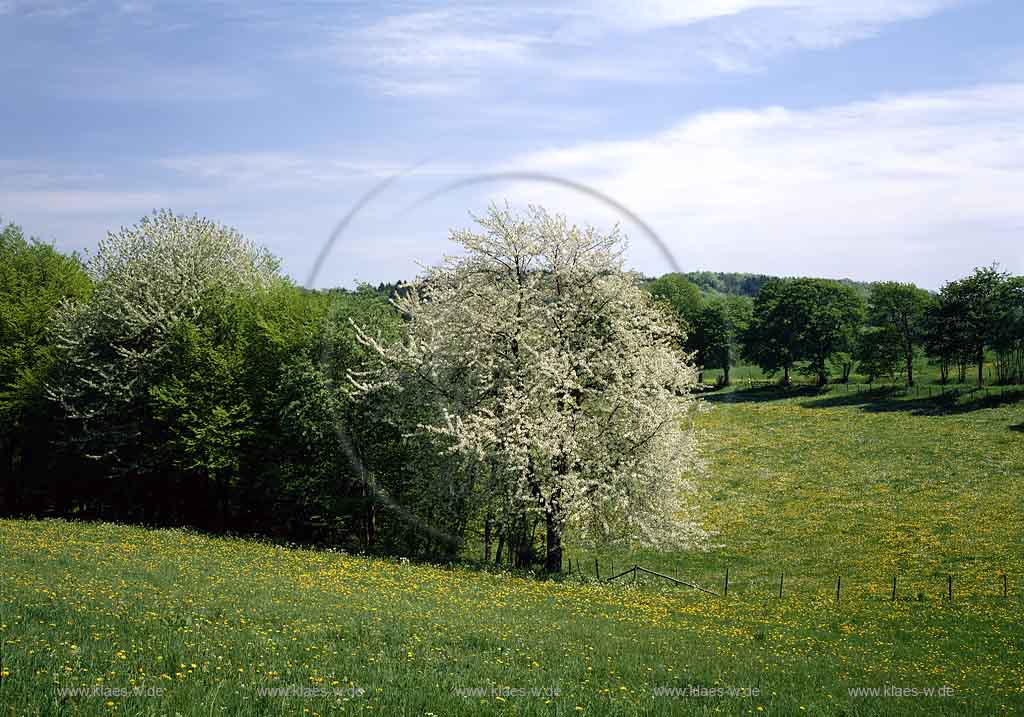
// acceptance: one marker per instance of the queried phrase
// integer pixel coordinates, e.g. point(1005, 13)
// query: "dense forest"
point(177, 377)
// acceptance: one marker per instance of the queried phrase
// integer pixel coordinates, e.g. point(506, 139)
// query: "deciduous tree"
point(556, 376)
point(898, 310)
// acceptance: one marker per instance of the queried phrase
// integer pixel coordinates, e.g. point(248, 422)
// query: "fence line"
point(635, 570)
point(930, 390)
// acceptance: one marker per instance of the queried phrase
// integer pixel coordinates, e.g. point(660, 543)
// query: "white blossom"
point(544, 360)
point(148, 278)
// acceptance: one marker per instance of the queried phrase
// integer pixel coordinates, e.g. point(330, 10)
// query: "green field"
point(815, 485)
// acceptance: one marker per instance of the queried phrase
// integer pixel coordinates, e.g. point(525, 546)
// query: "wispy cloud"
point(433, 52)
point(53, 9)
point(457, 51)
point(266, 171)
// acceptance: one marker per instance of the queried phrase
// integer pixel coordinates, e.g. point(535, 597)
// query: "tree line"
point(523, 391)
point(830, 329)
point(527, 390)
point(178, 378)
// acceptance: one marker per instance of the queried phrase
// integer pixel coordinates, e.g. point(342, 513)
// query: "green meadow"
point(807, 485)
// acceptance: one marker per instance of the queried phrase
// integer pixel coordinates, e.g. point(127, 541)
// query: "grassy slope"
point(812, 484)
point(863, 485)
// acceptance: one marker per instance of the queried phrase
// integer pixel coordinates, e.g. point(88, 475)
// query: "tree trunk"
point(981, 367)
point(501, 547)
point(371, 524)
point(553, 559)
point(487, 538)
point(910, 370)
point(785, 377)
point(725, 374)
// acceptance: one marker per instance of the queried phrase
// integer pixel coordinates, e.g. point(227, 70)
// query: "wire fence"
point(948, 586)
point(918, 390)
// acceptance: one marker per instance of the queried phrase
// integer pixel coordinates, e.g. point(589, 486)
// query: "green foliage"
point(682, 295)
point(772, 338)
point(201, 402)
point(802, 320)
point(1007, 338)
point(748, 285)
point(896, 313)
point(718, 332)
point(35, 280)
point(878, 352)
point(945, 335)
point(830, 315)
point(973, 301)
point(179, 379)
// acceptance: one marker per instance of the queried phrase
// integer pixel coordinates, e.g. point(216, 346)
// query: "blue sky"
point(871, 139)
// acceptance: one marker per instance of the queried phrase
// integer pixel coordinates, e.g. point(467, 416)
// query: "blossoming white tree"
point(148, 279)
point(555, 375)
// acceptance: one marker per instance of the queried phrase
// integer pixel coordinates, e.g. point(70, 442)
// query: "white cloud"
point(917, 185)
point(842, 15)
point(456, 51)
point(438, 52)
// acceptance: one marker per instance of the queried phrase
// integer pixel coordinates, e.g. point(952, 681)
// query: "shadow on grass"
point(1019, 428)
point(760, 394)
point(921, 400)
point(941, 403)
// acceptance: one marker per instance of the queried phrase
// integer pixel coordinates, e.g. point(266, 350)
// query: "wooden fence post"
point(597, 569)
point(726, 592)
point(839, 582)
point(894, 588)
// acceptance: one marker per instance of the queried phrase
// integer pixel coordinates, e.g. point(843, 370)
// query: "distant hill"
point(741, 284)
point(732, 283)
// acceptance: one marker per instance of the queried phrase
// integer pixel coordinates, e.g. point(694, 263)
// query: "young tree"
point(830, 315)
point(973, 302)
point(718, 331)
point(945, 336)
point(877, 352)
point(683, 299)
point(899, 311)
point(556, 376)
point(772, 340)
point(1008, 331)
